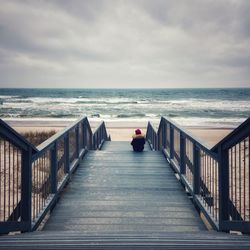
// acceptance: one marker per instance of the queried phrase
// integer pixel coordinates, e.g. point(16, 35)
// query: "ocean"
point(189, 107)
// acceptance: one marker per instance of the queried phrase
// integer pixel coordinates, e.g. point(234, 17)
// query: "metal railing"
point(233, 153)
point(32, 178)
point(100, 136)
point(217, 178)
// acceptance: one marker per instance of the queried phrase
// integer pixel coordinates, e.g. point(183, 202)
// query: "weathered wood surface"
point(119, 191)
point(77, 240)
point(119, 199)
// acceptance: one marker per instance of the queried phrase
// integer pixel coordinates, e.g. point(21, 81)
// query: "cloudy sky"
point(124, 43)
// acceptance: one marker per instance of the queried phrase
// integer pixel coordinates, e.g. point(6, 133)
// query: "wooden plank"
point(117, 190)
point(123, 201)
point(85, 240)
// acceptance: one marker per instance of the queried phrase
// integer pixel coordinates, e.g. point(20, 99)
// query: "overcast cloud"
point(129, 43)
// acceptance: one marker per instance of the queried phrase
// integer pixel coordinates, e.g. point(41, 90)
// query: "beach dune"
point(118, 130)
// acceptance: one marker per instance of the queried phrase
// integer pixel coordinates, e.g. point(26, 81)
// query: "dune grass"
point(37, 137)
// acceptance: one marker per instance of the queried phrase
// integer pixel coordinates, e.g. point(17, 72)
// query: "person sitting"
point(138, 141)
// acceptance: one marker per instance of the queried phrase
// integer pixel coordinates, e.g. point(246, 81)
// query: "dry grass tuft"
point(37, 137)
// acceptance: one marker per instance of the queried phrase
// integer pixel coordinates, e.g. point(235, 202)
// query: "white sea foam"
point(189, 110)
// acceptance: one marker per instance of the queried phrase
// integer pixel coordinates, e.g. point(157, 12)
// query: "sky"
point(124, 43)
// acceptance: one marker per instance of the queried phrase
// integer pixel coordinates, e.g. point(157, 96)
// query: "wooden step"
point(80, 240)
point(118, 190)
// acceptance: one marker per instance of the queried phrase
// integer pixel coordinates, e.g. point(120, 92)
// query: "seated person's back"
point(138, 141)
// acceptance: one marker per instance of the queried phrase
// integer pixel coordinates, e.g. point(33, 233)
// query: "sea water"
point(190, 107)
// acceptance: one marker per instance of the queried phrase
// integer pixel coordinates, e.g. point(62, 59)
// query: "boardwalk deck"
point(118, 191)
point(119, 199)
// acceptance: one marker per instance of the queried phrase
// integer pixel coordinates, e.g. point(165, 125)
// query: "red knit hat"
point(138, 131)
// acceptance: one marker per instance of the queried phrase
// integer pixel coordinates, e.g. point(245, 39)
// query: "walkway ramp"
point(119, 199)
point(115, 198)
point(118, 191)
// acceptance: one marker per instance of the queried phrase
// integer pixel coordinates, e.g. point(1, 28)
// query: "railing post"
point(171, 141)
point(105, 133)
point(85, 131)
point(156, 142)
point(77, 141)
point(159, 138)
point(102, 132)
point(196, 169)
point(26, 188)
point(182, 154)
point(66, 152)
point(223, 186)
point(164, 135)
point(93, 141)
point(53, 168)
point(97, 139)
point(152, 138)
point(83, 135)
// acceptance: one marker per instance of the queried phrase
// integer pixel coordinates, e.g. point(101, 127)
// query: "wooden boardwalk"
point(119, 199)
point(118, 191)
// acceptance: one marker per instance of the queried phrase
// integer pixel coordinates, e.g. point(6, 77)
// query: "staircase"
point(119, 199)
point(77, 240)
point(118, 191)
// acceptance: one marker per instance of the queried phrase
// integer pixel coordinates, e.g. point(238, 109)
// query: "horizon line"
point(240, 87)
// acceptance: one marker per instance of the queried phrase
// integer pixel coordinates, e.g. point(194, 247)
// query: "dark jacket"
point(138, 143)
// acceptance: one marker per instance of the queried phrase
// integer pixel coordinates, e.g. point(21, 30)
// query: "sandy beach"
point(118, 130)
point(208, 135)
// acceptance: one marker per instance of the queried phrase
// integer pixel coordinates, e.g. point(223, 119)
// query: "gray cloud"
point(117, 43)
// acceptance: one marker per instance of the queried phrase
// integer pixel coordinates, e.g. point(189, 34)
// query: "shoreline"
point(111, 123)
point(119, 130)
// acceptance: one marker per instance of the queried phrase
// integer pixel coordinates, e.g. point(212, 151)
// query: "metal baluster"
point(171, 142)
point(37, 186)
point(4, 175)
point(240, 178)
point(235, 180)
point(232, 180)
point(13, 182)
point(66, 152)
point(33, 190)
point(9, 179)
point(18, 179)
point(26, 187)
point(223, 186)
point(53, 168)
point(39, 193)
point(210, 184)
point(248, 176)
point(214, 185)
point(77, 141)
point(182, 154)
point(196, 172)
point(1, 219)
point(244, 179)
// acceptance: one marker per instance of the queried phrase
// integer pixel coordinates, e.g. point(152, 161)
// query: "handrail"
point(152, 136)
point(61, 133)
point(35, 176)
point(188, 134)
point(210, 175)
point(14, 137)
point(237, 134)
point(100, 136)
